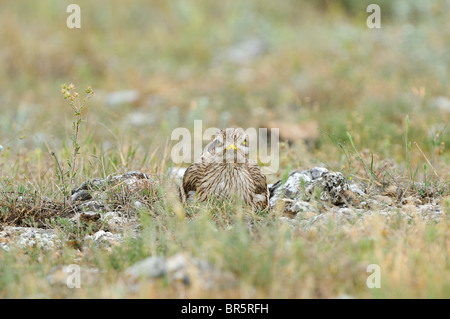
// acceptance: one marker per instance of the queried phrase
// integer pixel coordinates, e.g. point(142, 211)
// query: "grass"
point(273, 262)
point(318, 62)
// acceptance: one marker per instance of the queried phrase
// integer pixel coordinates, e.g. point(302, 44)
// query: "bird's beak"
point(232, 146)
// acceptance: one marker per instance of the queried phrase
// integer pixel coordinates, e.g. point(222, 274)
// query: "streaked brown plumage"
point(224, 170)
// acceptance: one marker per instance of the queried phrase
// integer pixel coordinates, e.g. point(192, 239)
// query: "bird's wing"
point(259, 179)
point(191, 180)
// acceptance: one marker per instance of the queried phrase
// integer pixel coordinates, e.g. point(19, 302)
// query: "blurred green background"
point(158, 65)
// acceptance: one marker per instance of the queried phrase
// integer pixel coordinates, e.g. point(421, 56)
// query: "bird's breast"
point(226, 180)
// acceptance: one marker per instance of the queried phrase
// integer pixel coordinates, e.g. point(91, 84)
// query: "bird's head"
point(230, 145)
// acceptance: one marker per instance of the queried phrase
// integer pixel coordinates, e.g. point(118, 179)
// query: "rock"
point(345, 213)
point(94, 205)
point(292, 186)
point(132, 189)
point(133, 181)
point(180, 268)
point(82, 187)
point(86, 217)
point(91, 185)
point(105, 237)
point(152, 267)
point(295, 177)
point(318, 172)
point(29, 237)
point(412, 200)
point(81, 195)
point(350, 216)
point(4, 240)
point(355, 188)
point(274, 193)
point(115, 220)
point(431, 212)
point(141, 119)
point(334, 187)
point(118, 98)
point(273, 201)
point(129, 175)
point(442, 103)
point(299, 206)
point(244, 52)
point(98, 184)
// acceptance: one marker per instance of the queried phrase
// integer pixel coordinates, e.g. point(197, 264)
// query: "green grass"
point(273, 262)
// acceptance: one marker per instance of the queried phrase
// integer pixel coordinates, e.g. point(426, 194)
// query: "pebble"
point(181, 268)
point(81, 195)
point(118, 98)
point(29, 237)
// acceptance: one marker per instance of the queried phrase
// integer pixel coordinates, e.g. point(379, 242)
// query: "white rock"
point(151, 267)
point(441, 102)
point(301, 207)
point(356, 189)
point(94, 205)
point(244, 52)
point(180, 268)
point(122, 97)
point(334, 187)
point(30, 237)
point(141, 119)
point(293, 183)
point(318, 172)
point(115, 220)
point(105, 237)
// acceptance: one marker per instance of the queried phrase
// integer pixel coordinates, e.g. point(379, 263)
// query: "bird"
point(224, 170)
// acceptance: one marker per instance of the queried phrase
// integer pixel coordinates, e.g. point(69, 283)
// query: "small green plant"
point(412, 175)
point(78, 105)
point(428, 178)
point(369, 171)
point(344, 149)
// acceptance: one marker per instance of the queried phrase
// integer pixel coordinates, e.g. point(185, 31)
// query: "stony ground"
point(108, 213)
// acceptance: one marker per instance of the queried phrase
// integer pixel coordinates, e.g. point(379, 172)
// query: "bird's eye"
point(219, 143)
point(245, 142)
